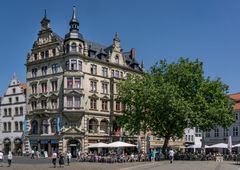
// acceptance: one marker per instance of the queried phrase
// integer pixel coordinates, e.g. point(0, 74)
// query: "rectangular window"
point(118, 106)
point(105, 72)
point(93, 69)
point(34, 88)
point(16, 126)
point(21, 126)
point(5, 112)
point(55, 68)
point(77, 83)
point(93, 85)
point(216, 132)
point(44, 87)
point(21, 110)
point(9, 127)
point(104, 105)
point(93, 103)
point(9, 112)
point(17, 99)
point(77, 102)
point(70, 83)
point(42, 55)
point(79, 65)
point(236, 115)
point(117, 73)
point(112, 73)
point(67, 65)
point(104, 88)
point(225, 132)
point(54, 85)
point(73, 64)
point(34, 72)
point(235, 131)
point(54, 103)
point(44, 104)
point(34, 105)
point(16, 110)
point(10, 100)
point(69, 101)
point(44, 70)
point(54, 52)
point(47, 54)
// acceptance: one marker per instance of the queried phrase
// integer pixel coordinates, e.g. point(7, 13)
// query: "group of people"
point(61, 158)
point(9, 158)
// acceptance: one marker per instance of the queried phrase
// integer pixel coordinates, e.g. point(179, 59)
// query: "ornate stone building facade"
point(72, 88)
point(12, 114)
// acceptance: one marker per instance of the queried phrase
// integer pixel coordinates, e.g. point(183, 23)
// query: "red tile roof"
point(235, 96)
point(23, 86)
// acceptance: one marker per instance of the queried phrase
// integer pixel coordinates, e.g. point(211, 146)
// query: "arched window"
point(54, 125)
point(5, 126)
point(93, 124)
point(80, 48)
point(21, 110)
point(21, 126)
point(74, 47)
point(34, 126)
point(9, 127)
point(16, 126)
point(117, 59)
point(104, 126)
point(44, 127)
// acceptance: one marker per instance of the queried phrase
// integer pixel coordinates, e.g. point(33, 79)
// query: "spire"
point(45, 21)
point(74, 21)
point(116, 42)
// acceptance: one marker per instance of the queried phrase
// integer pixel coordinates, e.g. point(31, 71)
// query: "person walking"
point(54, 159)
point(1, 158)
point(171, 155)
point(69, 156)
point(10, 157)
point(61, 160)
point(32, 154)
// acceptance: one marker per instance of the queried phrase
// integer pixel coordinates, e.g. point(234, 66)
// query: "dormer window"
point(74, 47)
point(14, 90)
point(54, 52)
point(117, 59)
point(80, 48)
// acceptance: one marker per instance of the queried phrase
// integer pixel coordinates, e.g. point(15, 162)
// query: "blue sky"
point(157, 29)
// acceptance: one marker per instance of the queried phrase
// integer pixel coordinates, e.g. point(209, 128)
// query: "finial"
point(74, 13)
point(45, 13)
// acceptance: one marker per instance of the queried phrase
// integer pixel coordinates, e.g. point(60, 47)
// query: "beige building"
point(71, 90)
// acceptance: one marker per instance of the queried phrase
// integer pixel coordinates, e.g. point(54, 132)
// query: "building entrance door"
point(73, 147)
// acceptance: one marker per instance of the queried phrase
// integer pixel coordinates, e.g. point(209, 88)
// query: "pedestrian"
point(10, 157)
point(171, 155)
point(61, 160)
point(69, 156)
point(54, 159)
point(1, 158)
point(32, 154)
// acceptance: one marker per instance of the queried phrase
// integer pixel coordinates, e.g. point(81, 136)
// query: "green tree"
point(172, 97)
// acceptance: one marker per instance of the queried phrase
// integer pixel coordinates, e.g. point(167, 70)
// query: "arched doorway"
point(18, 146)
point(73, 146)
point(7, 145)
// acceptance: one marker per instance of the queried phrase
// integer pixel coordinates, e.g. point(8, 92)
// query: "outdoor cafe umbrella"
point(98, 145)
point(219, 145)
point(120, 144)
point(197, 146)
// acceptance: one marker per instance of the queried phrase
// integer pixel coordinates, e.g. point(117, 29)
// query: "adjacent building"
point(72, 90)
point(12, 113)
point(219, 134)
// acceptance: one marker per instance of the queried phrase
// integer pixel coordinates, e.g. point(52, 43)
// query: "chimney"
point(133, 53)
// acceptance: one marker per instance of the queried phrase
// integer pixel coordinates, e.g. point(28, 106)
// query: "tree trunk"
point(165, 144)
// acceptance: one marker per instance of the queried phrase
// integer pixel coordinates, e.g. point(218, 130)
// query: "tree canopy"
point(173, 96)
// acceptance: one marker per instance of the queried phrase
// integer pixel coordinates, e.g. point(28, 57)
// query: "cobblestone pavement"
point(45, 164)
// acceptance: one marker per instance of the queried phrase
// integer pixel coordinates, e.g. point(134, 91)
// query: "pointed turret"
point(45, 21)
point(116, 42)
point(74, 31)
point(74, 21)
